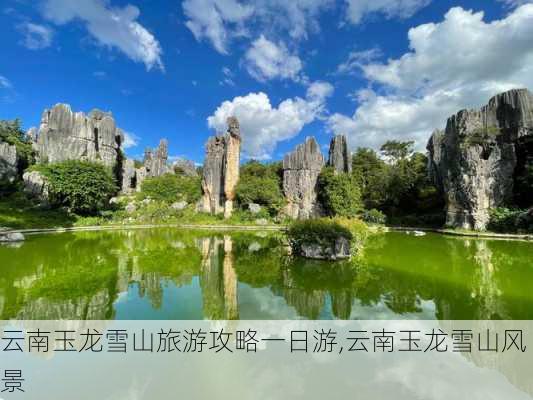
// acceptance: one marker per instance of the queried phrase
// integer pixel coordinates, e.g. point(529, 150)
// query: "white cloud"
point(216, 20)
point(36, 36)
point(5, 83)
point(227, 79)
point(455, 64)
point(358, 9)
point(515, 3)
point(266, 60)
point(357, 59)
point(112, 27)
point(220, 21)
point(130, 140)
point(264, 126)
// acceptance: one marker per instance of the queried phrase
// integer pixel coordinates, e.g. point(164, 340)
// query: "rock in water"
point(339, 155)
point(474, 160)
point(221, 170)
point(11, 237)
point(8, 162)
point(65, 135)
point(300, 173)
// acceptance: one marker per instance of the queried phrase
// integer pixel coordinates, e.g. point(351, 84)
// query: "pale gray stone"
point(8, 162)
point(300, 174)
point(156, 161)
point(179, 205)
point(254, 208)
point(474, 160)
point(339, 155)
point(12, 237)
point(185, 167)
point(35, 185)
point(129, 177)
point(339, 251)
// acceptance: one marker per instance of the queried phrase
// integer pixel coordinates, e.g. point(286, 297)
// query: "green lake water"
point(175, 274)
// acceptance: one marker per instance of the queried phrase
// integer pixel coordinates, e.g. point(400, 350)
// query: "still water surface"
point(176, 274)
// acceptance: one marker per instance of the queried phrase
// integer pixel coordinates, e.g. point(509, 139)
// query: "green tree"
point(170, 188)
point(260, 183)
point(396, 150)
point(84, 187)
point(372, 174)
point(339, 193)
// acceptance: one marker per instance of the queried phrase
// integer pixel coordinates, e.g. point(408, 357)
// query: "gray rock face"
point(221, 170)
point(35, 185)
point(8, 162)
point(474, 160)
point(300, 173)
point(254, 208)
point(341, 250)
point(179, 205)
point(11, 237)
point(65, 135)
point(156, 161)
point(339, 155)
point(185, 167)
point(129, 177)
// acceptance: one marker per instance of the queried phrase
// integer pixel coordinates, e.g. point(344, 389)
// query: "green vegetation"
point(374, 216)
point(83, 187)
point(323, 232)
point(12, 133)
point(170, 188)
point(507, 220)
point(261, 184)
point(339, 193)
point(399, 188)
point(481, 136)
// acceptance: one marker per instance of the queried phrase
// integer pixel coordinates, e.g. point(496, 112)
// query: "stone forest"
point(341, 235)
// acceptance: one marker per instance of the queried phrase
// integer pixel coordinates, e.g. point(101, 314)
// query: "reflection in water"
point(172, 274)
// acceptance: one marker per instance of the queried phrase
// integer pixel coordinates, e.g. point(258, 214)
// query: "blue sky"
point(371, 69)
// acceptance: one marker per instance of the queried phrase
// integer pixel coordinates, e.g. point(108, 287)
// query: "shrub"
point(507, 220)
point(170, 188)
point(84, 187)
point(339, 193)
point(323, 232)
point(12, 133)
point(261, 184)
point(374, 216)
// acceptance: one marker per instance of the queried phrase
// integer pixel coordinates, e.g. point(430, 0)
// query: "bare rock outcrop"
point(221, 170)
point(339, 155)
point(474, 160)
point(129, 177)
point(8, 162)
point(66, 135)
point(184, 167)
point(156, 161)
point(300, 173)
point(36, 186)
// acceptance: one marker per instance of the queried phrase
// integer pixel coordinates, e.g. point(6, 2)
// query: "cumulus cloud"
point(266, 60)
point(219, 21)
point(358, 9)
point(36, 36)
point(263, 126)
point(457, 63)
point(112, 27)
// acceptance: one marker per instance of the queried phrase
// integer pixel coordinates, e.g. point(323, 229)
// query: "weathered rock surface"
point(221, 170)
point(129, 177)
point(339, 251)
point(35, 185)
point(179, 205)
point(65, 135)
point(254, 208)
point(185, 167)
point(300, 173)
point(339, 155)
point(474, 160)
point(156, 161)
point(10, 237)
point(8, 162)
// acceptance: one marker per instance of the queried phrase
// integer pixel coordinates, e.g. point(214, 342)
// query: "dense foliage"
point(374, 216)
point(507, 220)
point(261, 184)
point(12, 133)
point(170, 188)
point(400, 186)
point(81, 186)
point(321, 231)
point(339, 193)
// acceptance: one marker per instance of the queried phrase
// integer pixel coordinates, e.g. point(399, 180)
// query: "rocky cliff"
point(300, 173)
point(474, 160)
point(66, 135)
point(8, 162)
point(221, 170)
point(339, 154)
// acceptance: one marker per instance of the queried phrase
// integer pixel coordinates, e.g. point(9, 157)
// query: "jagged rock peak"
point(339, 155)
point(475, 160)
point(307, 155)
